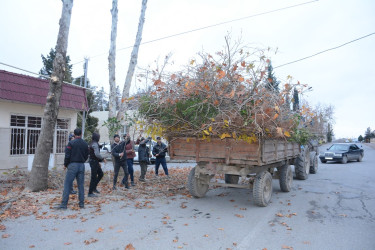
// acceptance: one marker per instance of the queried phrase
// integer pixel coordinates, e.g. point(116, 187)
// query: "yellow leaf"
point(224, 135)
point(210, 128)
point(192, 62)
point(234, 135)
point(226, 123)
point(187, 139)
point(213, 119)
point(277, 108)
point(286, 133)
point(206, 132)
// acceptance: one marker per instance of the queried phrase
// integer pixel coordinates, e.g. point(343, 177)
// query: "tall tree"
point(272, 82)
point(100, 101)
point(38, 179)
point(329, 132)
point(368, 134)
point(132, 64)
point(48, 66)
point(91, 122)
point(295, 100)
point(112, 63)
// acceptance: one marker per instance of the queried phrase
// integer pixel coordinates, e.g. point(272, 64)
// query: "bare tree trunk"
point(112, 63)
point(132, 64)
point(39, 173)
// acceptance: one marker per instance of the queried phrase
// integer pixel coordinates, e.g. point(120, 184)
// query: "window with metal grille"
point(26, 131)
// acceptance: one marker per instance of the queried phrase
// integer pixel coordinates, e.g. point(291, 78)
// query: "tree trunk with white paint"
point(112, 63)
point(132, 64)
point(39, 173)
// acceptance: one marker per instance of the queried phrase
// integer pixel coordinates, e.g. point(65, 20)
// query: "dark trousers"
point(122, 165)
point(163, 162)
point(96, 175)
point(75, 171)
point(143, 165)
point(130, 163)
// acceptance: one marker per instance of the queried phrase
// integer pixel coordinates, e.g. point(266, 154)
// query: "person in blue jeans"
point(159, 151)
point(130, 154)
point(76, 154)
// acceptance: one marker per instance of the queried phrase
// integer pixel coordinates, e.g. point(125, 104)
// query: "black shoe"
point(96, 191)
point(81, 206)
point(132, 183)
point(60, 207)
point(114, 188)
point(73, 192)
point(127, 187)
point(92, 195)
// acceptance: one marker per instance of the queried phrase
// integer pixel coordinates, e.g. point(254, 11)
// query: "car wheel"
point(323, 161)
point(344, 159)
point(360, 158)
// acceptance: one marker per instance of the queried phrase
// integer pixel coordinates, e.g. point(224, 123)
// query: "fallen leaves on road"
point(206, 235)
point(67, 243)
point(2, 227)
point(31, 246)
point(5, 236)
point(129, 247)
point(91, 240)
point(287, 247)
point(239, 215)
point(99, 230)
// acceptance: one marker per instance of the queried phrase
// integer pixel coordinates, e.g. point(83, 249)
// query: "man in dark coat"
point(159, 151)
point(76, 154)
point(96, 169)
point(143, 157)
point(119, 153)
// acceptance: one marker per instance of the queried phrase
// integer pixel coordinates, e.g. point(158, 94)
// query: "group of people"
point(77, 152)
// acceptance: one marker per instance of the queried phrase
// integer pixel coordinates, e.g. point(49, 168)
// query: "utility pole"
point(84, 111)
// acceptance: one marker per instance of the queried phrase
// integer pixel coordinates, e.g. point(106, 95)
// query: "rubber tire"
point(344, 159)
point(302, 165)
point(360, 158)
point(262, 190)
point(323, 161)
point(314, 163)
point(285, 178)
point(196, 189)
point(231, 179)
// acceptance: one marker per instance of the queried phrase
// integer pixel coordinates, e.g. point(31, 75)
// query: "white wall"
point(7, 109)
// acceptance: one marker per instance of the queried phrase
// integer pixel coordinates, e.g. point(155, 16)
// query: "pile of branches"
point(231, 94)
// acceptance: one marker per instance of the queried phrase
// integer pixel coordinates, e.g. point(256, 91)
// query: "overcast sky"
point(343, 77)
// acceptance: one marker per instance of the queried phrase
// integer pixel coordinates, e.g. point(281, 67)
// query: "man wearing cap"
point(76, 154)
point(159, 151)
point(143, 157)
point(119, 153)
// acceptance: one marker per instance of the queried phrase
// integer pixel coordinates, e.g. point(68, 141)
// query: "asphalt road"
point(333, 209)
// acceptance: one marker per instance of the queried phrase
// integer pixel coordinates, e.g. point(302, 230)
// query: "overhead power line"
point(324, 51)
point(209, 26)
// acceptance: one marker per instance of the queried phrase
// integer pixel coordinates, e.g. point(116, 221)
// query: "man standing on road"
point(118, 151)
point(159, 151)
point(95, 159)
point(76, 154)
point(130, 154)
point(143, 157)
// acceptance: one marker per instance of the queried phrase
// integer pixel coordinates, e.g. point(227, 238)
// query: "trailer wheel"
point(231, 179)
point(285, 178)
point(302, 165)
point(195, 185)
point(313, 163)
point(262, 191)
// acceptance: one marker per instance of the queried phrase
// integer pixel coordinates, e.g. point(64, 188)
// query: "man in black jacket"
point(159, 151)
point(118, 151)
point(76, 154)
point(143, 157)
point(95, 159)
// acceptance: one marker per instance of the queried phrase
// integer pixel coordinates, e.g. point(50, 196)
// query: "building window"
point(26, 132)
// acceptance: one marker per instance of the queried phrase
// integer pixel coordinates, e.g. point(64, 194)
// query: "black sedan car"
point(342, 152)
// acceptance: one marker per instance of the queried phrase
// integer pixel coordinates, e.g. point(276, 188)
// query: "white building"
point(22, 102)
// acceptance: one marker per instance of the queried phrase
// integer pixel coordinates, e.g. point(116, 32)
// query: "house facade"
point(22, 102)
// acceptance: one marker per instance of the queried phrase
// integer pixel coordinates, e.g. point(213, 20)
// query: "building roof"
point(27, 89)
